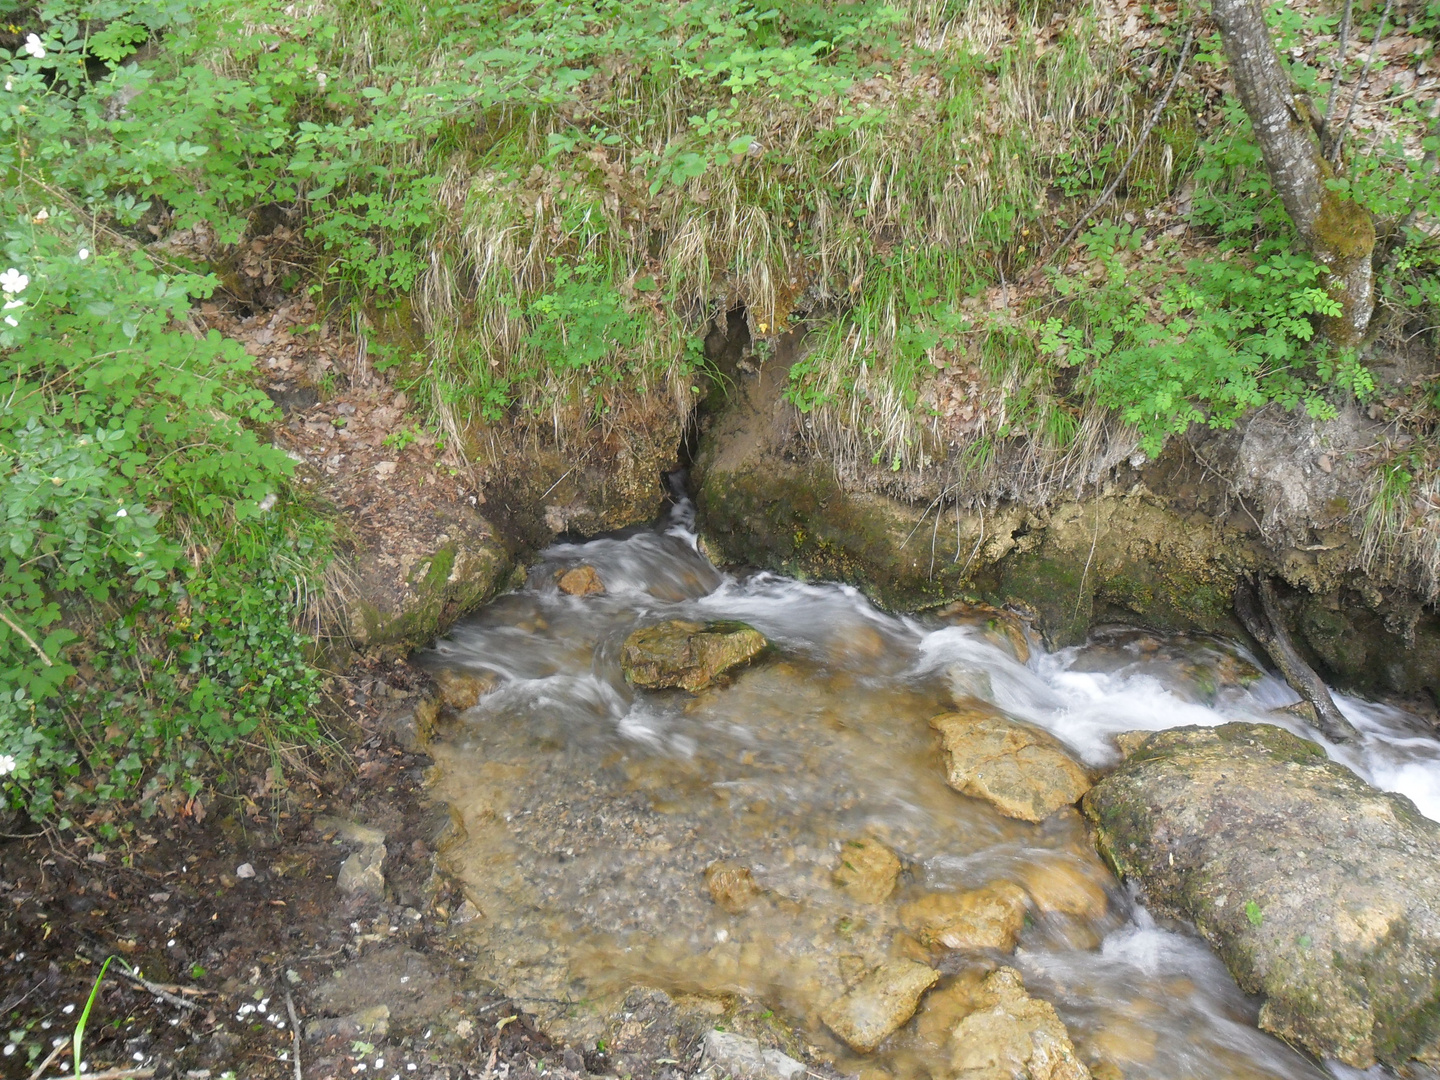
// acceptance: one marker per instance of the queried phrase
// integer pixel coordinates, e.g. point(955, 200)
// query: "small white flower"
point(320, 80)
point(13, 281)
point(9, 86)
point(121, 512)
point(10, 320)
point(84, 254)
point(268, 503)
point(34, 48)
point(11, 305)
point(43, 215)
point(7, 763)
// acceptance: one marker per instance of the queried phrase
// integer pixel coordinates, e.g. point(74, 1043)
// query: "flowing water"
point(592, 810)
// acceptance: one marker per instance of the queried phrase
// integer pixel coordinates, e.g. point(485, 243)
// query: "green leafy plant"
point(1169, 350)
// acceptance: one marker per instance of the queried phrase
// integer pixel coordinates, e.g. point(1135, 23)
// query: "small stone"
point(852, 969)
point(461, 690)
point(362, 873)
point(883, 1001)
point(731, 885)
point(990, 917)
point(465, 913)
point(384, 469)
point(245, 870)
point(1012, 1036)
point(351, 832)
point(689, 655)
point(581, 581)
point(867, 870)
point(1062, 887)
point(373, 1022)
point(1020, 770)
point(730, 1055)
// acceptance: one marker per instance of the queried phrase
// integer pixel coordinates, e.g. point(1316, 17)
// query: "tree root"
point(1264, 622)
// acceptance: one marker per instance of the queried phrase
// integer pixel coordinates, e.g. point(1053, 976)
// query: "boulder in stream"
point(1318, 891)
point(1012, 1036)
point(884, 1000)
point(989, 917)
point(1020, 770)
point(580, 581)
point(867, 870)
point(461, 689)
point(689, 655)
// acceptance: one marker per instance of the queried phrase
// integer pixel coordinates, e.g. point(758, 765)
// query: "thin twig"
point(1355, 97)
point(1339, 69)
point(295, 1032)
point(160, 991)
point(1080, 594)
point(1150, 123)
point(54, 1053)
point(28, 640)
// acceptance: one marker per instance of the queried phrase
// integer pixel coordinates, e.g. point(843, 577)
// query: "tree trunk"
point(1337, 231)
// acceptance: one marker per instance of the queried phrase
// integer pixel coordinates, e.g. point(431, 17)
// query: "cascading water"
point(592, 810)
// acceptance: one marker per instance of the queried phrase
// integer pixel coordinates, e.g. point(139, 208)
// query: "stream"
point(591, 810)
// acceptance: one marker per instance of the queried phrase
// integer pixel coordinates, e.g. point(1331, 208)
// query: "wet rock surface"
point(868, 870)
point(461, 690)
point(580, 581)
point(688, 655)
point(884, 1000)
point(990, 917)
point(1012, 1036)
point(743, 1058)
point(1319, 892)
point(1022, 771)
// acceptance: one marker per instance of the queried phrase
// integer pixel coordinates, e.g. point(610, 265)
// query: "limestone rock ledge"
point(1318, 891)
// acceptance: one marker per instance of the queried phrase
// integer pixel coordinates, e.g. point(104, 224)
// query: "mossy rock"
point(1319, 892)
point(687, 655)
point(404, 591)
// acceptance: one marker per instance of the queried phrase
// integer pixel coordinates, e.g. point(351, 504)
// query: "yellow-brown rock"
point(461, 690)
point(1127, 742)
point(884, 1000)
point(1001, 627)
point(731, 885)
point(581, 581)
point(1020, 770)
point(867, 870)
point(1065, 887)
point(1012, 1036)
point(990, 917)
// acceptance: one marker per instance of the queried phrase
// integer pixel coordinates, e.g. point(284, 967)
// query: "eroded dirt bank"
point(1161, 544)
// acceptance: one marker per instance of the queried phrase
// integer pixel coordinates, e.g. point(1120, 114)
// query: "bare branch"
point(1355, 97)
point(1150, 122)
point(1339, 69)
point(28, 639)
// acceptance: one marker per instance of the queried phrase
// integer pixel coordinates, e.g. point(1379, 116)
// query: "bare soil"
point(236, 919)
